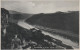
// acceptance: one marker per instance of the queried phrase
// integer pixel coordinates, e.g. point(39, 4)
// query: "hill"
point(63, 23)
point(59, 20)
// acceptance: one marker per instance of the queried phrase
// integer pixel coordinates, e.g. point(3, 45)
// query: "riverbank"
point(66, 41)
point(63, 33)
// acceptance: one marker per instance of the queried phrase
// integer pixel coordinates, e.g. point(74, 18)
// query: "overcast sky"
point(49, 6)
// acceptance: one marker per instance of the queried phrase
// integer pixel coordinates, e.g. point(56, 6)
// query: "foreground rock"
point(32, 38)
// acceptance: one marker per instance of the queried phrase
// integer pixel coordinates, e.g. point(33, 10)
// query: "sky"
point(40, 6)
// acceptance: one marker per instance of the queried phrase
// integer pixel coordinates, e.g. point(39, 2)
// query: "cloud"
point(40, 6)
point(18, 6)
point(40, 0)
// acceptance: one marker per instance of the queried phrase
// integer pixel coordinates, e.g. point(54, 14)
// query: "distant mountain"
point(13, 12)
point(16, 16)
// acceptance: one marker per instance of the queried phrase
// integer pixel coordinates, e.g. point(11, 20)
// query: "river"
point(64, 40)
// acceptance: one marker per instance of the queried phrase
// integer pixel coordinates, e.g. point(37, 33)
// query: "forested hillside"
point(68, 21)
point(65, 24)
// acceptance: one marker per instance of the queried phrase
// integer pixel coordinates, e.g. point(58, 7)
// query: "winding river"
point(64, 40)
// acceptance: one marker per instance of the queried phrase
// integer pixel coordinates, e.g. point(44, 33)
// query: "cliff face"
point(60, 20)
point(4, 17)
